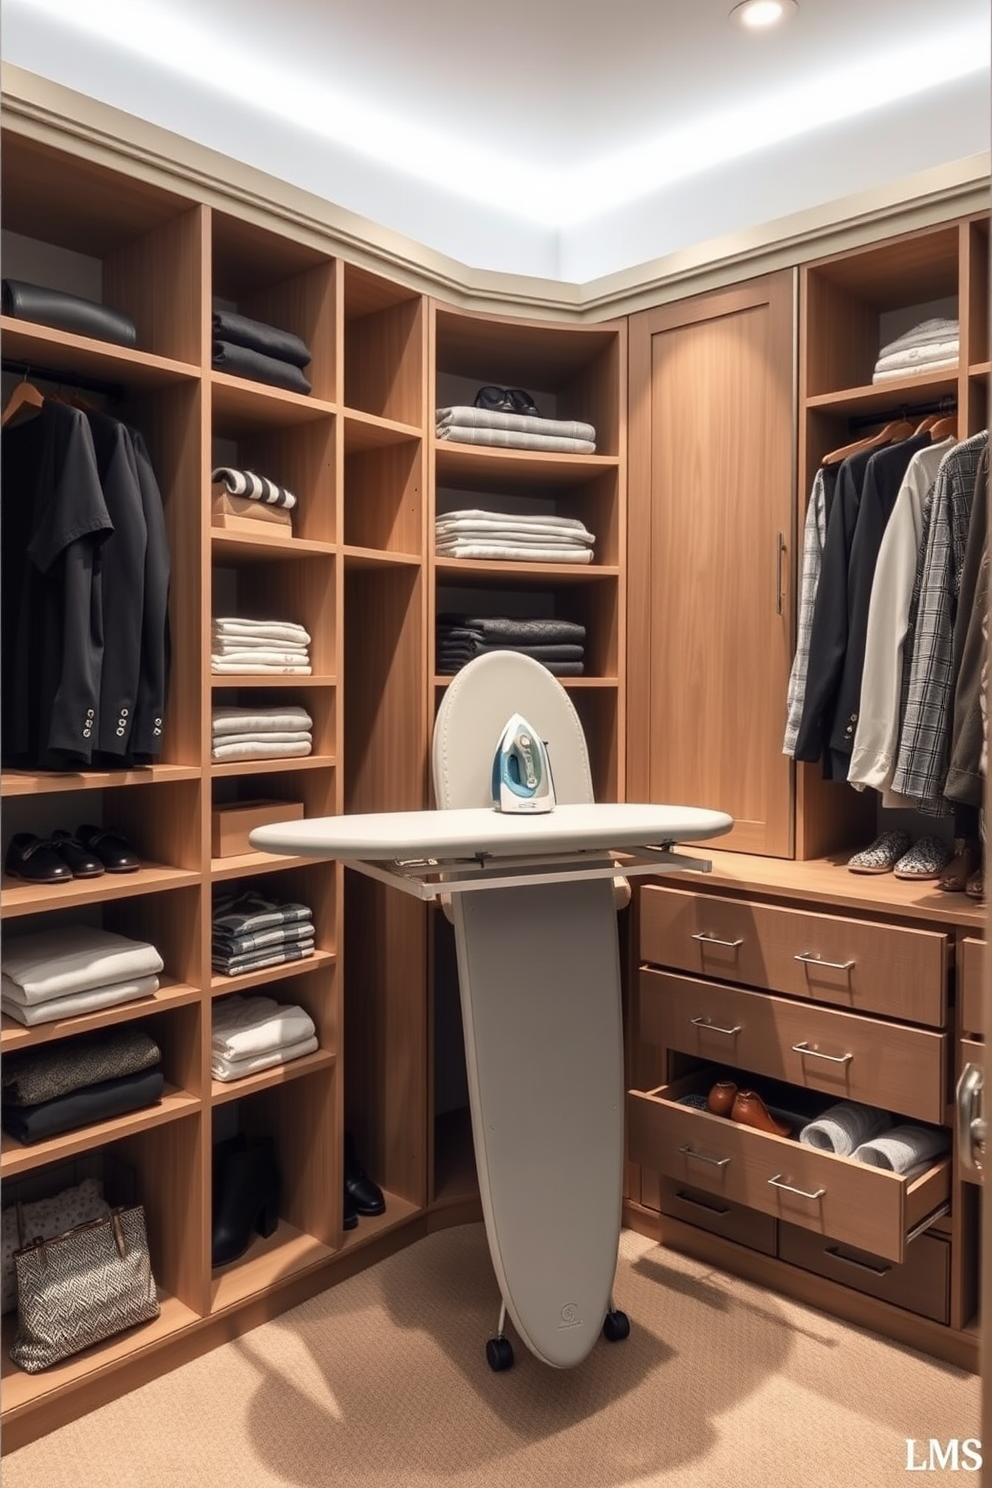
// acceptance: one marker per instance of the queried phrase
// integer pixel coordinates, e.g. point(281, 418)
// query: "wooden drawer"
point(922, 1284)
point(862, 1206)
point(862, 965)
point(891, 1065)
point(971, 970)
point(733, 1221)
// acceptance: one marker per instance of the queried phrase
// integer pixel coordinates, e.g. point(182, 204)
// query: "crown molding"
point(60, 116)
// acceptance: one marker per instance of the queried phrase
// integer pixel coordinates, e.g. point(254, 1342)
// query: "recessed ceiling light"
point(760, 15)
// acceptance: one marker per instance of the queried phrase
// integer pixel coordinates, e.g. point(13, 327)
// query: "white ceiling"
point(510, 135)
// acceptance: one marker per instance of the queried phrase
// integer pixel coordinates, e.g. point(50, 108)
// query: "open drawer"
point(863, 1207)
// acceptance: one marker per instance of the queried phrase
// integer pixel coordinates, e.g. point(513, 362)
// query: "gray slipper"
point(925, 860)
point(882, 855)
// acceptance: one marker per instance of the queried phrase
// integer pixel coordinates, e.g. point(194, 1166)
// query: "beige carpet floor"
point(383, 1381)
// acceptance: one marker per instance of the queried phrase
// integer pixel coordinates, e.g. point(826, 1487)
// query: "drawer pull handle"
point(688, 1198)
point(811, 960)
point(715, 940)
point(804, 1048)
point(717, 1162)
point(835, 1251)
point(776, 1182)
point(715, 1027)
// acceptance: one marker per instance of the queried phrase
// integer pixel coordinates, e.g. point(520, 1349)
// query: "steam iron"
point(522, 770)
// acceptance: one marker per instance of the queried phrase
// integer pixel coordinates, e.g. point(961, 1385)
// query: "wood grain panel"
point(971, 985)
point(714, 473)
point(385, 361)
point(304, 304)
point(384, 497)
point(157, 279)
point(894, 970)
point(888, 1065)
point(696, 1207)
point(301, 458)
point(921, 1283)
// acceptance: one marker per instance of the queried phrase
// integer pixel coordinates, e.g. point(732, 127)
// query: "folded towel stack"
point(254, 1033)
point(904, 1148)
point(557, 644)
point(251, 348)
point(465, 425)
point(930, 347)
point(73, 969)
point(250, 932)
point(74, 1082)
point(239, 645)
point(260, 733)
point(521, 539)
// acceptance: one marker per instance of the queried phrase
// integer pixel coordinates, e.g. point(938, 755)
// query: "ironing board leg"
point(499, 1350)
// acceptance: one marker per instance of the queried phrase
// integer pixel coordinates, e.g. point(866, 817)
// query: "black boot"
point(248, 1200)
point(365, 1196)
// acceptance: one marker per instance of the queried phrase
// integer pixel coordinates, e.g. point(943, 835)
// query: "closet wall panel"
point(711, 461)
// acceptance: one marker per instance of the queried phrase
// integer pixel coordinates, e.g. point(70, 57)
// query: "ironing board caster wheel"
point(616, 1326)
point(499, 1354)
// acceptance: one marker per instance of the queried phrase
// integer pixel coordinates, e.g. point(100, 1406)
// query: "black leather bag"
point(67, 312)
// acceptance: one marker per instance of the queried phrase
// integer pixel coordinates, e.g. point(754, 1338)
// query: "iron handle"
point(804, 1048)
point(715, 940)
point(715, 1027)
point(776, 1182)
point(809, 959)
point(717, 1162)
point(969, 1123)
point(835, 1251)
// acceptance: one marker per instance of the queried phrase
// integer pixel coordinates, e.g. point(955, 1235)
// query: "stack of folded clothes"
point(78, 1081)
point(73, 969)
point(521, 539)
point(557, 644)
point(463, 424)
point(260, 733)
point(239, 645)
point(254, 1033)
point(250, 348)
point(930, 347)
point(251, 932)
point(242, 493)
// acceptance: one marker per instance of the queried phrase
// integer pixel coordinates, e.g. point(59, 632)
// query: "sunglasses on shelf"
point(506, 400)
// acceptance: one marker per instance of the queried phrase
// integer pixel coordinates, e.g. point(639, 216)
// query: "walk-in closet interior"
point(274, 409)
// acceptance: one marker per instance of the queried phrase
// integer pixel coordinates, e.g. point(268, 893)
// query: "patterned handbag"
point(81, 1287)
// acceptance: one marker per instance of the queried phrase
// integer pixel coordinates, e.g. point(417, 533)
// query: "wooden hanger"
point(25, 396)
point(896, 429)
point(925, 425)
point(944, 428)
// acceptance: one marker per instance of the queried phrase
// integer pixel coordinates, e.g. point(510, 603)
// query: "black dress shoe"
point(116, 854)
point(35, 859)
point(365, 1195)
point(349, 1217)
point(80, 862)
point(247, 1201)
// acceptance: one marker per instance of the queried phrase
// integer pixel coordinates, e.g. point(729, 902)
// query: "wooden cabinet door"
point(712, 439)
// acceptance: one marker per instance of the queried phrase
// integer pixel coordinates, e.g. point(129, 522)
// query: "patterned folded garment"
point(254, 487)
point(224, 943)
point(229, 720)
point(462, 416)
point(71, 1064)
point(240, 911)
point(258, 960)
point(507, 629)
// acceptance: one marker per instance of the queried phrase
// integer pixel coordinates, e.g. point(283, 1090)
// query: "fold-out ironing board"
point(532, 902)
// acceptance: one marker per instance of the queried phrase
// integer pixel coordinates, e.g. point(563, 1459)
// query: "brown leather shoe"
point(750, 1110)
point(720, 1100)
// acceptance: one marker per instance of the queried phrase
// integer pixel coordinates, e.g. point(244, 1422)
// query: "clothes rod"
point(77, 380)
point(947, 404)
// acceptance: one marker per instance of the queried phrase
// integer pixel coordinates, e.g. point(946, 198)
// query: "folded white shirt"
point(268, 736)
point(75, 1003)
point(261, 658)
point(73, 958)
point(245, 1026)
point(260, 748)
point(228, 720)
point(913, 356)
point(522, 553)
point(928, 331)
point(536, 521)
point(257, 643)
point(463, 416)
point(238, 1069)
point(280, 630)
point(257, 666)
point(892, 374)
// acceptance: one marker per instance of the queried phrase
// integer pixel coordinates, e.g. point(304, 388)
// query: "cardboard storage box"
point(242, 514)
point(232, 822)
